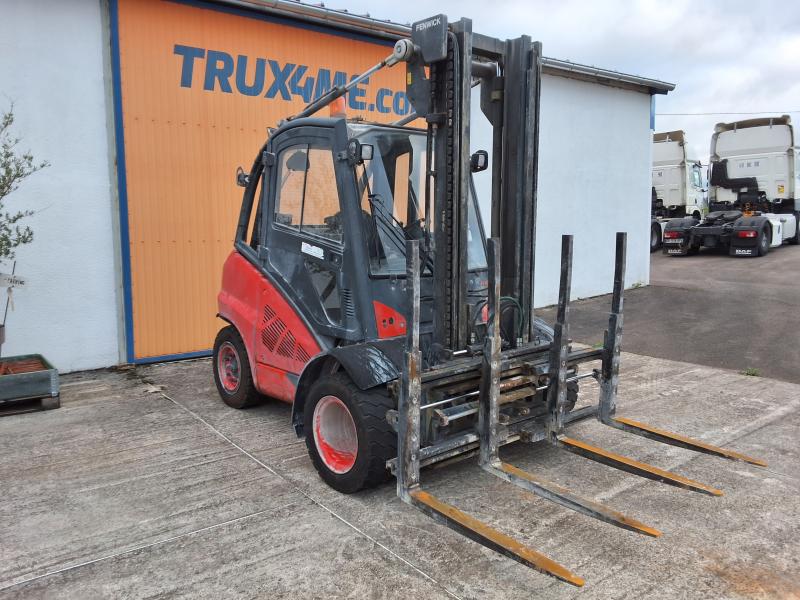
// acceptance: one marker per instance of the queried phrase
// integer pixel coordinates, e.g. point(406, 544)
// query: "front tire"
point(232, 370)
point(347, 435)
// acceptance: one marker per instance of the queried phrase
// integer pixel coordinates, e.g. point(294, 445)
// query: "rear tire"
point(347, 435)
point(232, 370)
point(795, 240)
point(763, 241)
point(655, 237)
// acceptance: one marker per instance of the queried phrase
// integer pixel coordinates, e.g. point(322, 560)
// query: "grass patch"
point(751, 372)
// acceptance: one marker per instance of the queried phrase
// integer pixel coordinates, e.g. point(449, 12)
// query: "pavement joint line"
point(312, 498)
point(142, 547)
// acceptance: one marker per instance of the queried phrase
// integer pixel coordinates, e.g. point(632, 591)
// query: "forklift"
point(363, 290)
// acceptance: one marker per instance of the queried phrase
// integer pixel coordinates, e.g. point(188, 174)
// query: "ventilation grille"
point(276, 338)
point(347, 303)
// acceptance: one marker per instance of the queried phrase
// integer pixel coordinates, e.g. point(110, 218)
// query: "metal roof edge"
point(341, 19)
point(654, 86)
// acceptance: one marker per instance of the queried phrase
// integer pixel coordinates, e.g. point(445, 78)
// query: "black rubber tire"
point(246, 394)
point(655, 237)
point(795, 240)
point(377, 441)
point(763, 241)
point(572, 396)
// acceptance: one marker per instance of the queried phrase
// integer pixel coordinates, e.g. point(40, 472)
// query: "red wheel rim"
point(335, 434)
point(229, 367)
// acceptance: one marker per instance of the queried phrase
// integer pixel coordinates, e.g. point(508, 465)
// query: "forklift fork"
point(608, 380)
point(488, 422)
point(609, 375)
point(408, 440)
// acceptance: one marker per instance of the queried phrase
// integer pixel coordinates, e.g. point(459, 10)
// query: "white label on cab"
point(314, 251)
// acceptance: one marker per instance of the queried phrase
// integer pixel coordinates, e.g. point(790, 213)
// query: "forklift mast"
point(509, 74)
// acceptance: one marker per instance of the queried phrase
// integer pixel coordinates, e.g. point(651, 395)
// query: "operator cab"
point(329, 220)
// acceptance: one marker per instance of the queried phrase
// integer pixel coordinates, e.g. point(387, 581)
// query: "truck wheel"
point(655, 237)
point(232, 370)
point(763, 241)
point(348, 437)
point(795, 239)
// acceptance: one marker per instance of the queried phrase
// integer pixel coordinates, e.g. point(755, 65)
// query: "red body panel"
point(277, 339)
point(389, 322)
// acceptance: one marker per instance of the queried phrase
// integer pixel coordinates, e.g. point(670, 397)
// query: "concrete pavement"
point(145, 485)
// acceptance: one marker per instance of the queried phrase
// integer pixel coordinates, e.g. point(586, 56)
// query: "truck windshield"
point(392, 191)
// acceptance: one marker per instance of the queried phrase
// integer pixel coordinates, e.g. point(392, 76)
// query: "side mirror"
point(479, 161)
point(357, 152)
point(242, 178)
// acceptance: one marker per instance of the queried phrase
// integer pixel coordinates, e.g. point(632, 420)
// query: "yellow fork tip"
point(576, 581)
point(651, 532)
point(756, 461)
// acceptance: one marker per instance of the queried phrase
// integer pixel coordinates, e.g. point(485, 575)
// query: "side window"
point(254, 226)
point(307, 198)
point(697, 180)
point(321, 214)
point(292, 168)
point(401, 188)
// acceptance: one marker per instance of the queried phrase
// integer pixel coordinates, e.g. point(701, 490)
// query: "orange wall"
point(184, 142)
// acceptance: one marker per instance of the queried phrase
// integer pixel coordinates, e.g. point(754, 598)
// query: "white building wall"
point(594, 180)
point(53, 71)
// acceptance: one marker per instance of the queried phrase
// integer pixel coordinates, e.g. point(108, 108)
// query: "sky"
point(726, 56)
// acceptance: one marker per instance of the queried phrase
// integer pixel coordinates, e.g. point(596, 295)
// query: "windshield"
point(392, 191)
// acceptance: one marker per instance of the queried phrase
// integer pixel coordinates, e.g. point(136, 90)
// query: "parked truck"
point(678, 189)
point(753, 172)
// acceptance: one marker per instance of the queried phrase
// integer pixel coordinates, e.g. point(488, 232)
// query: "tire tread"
point(247, 395)
point(381, 439)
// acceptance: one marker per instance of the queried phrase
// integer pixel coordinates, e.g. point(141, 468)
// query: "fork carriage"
point(504, 380)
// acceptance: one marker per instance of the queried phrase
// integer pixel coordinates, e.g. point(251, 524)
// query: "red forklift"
point(362, 289)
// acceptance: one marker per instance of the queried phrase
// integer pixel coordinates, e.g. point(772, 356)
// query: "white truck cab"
point(677, 179)
point(678, 186)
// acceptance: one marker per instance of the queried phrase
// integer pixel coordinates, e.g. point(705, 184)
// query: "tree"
point(15, 167)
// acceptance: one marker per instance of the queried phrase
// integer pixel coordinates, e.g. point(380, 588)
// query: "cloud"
point(724, 56)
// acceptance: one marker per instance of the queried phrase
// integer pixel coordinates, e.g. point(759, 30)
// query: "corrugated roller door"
point(198, 87)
